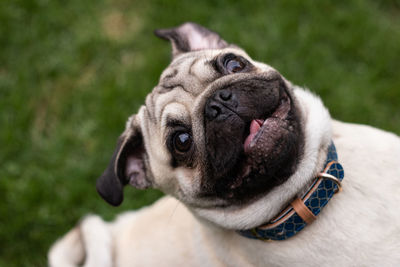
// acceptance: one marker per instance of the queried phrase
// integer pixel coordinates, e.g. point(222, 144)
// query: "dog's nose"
point(224, 95)
point(220, 105)
point(213, 109)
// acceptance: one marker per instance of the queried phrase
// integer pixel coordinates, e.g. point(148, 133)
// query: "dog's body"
point(360, 226)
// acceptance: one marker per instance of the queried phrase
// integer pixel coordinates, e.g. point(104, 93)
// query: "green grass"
point(71, 72)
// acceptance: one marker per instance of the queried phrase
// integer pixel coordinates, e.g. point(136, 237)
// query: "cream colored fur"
point(360, 226)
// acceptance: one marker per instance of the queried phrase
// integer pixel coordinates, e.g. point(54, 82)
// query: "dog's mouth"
point(263, 148)
point(260, 127)
point(271, 144)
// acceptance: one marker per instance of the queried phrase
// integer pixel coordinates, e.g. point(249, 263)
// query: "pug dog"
point(252, 167)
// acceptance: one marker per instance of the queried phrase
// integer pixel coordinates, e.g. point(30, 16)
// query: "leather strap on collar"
point(304, 210)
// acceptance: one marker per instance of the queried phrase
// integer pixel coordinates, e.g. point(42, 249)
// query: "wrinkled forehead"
point(196, 65)
point(185, 79)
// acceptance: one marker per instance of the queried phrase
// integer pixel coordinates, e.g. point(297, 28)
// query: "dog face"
point(220, 130)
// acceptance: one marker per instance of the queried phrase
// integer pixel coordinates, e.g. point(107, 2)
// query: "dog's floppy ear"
point(191, 37)
point(126, 166)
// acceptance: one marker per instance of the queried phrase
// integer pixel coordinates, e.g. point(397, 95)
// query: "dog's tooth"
point(246, 171)
point(248, 141)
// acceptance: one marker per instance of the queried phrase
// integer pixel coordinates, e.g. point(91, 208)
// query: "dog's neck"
point(303, 210)
point(318, 134)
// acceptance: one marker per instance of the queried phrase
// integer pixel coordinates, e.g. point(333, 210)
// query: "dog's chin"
point(271, 150)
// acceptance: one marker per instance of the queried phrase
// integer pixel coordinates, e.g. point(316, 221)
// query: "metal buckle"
point(333, 179)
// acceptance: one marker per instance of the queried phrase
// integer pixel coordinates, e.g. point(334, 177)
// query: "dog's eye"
point(234, 64)
point(182, 142)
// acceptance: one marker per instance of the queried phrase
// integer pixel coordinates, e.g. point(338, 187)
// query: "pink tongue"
point(254, 127)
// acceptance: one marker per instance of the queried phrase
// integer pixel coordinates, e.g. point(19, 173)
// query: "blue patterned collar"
point(303, 211)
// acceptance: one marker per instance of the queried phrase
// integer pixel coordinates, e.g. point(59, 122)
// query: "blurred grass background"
point(71, 72)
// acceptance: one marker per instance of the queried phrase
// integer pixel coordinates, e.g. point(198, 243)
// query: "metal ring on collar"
point(333, 179)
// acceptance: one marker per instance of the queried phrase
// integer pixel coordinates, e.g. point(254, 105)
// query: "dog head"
point(220, 131)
